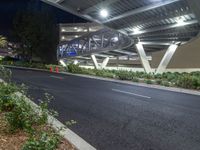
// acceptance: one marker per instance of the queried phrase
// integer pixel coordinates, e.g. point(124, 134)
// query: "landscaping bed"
point(23, 127)
point(15, 141)
point(182, 80)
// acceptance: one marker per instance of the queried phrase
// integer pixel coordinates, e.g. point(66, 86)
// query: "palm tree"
point(3, 41)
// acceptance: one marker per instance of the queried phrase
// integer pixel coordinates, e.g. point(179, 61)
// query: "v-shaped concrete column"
point(166, 59)
point(143, 58)
point(99, 65)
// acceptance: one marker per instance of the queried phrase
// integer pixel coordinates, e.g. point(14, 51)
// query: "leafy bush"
point(148, 81)
point(5, 74)
point(124, 75)
point(135, 79)
point(74, 68)
point(22, 115)
point(187, 81)
point(43, 141)
point(158, 81)
point(6, 100)
point(165, 83)
point(104, 73)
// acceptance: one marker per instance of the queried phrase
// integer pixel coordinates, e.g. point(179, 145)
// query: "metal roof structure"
point(155, 23)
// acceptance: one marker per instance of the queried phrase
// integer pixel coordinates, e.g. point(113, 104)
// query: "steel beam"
point(154, 19)
point(194, 5)
point(143, 58)
point(176, 25)
point(125, 52)
point(141, 9)
point(166, 59)
point(102, 4)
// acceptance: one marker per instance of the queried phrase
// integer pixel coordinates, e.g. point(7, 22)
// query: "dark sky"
point(9, 8)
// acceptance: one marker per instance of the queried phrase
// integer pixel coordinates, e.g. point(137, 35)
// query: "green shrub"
point(6, 99)
point(22, 115)
point(165, 83)
point(187, 81)
point(135, 79)
point(5, 74)
point(43, 141)
point(124, 75)
point(172, 77)
point(88, 71)
point(158, 76)
point(196, 73)
point(158, 81)
point(19, 114)
point(148, 81)
point(146, 76)
point(104, 73)
point(74, 68)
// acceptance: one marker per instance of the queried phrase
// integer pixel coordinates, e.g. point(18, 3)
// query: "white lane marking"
point(116, 90)
point(57, 77)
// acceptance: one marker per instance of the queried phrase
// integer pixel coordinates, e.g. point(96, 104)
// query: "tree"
point(37, 34)
point(3, 41)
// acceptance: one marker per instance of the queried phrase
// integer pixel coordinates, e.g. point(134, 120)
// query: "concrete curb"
point(172, 89)
point(66, 133)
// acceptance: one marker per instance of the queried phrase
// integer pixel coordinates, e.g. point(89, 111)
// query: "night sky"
point(9, 8)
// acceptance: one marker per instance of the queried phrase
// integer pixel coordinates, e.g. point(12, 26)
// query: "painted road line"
point(57, 77)
point(130, 93)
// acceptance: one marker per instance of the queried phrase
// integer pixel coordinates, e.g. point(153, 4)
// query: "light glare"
point(104, 13)
point(136, 30)
point(180, 22)
point(115, 39)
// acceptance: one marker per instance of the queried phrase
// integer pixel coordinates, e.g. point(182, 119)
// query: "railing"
point(95, 42)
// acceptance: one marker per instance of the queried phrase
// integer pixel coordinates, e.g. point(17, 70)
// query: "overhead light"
point(63, 30)
point(63, 37)
point(115, 39)
point(76, 36)
point(85, 30)
point(180, 22)
point(75, 28)
point(79, 30)
point(104, 13)
point(136, 30)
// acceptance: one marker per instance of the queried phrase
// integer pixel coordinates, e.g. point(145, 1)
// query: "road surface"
point(115, 116)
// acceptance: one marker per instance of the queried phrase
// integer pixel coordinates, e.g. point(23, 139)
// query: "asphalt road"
point(114, 116)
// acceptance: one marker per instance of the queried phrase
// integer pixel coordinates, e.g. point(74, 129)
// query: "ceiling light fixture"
point(104, 13)
point(180, 22)
point(136, 31)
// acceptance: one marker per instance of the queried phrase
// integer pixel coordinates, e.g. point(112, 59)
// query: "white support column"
point(99, 65)
point(166, 58)
point(94, 60)
point(143, 57)
point(105, 62)
point(62, 63)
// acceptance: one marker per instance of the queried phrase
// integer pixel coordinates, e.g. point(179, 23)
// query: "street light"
point(180, 22)
point(104, 13)
point(136, 30)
